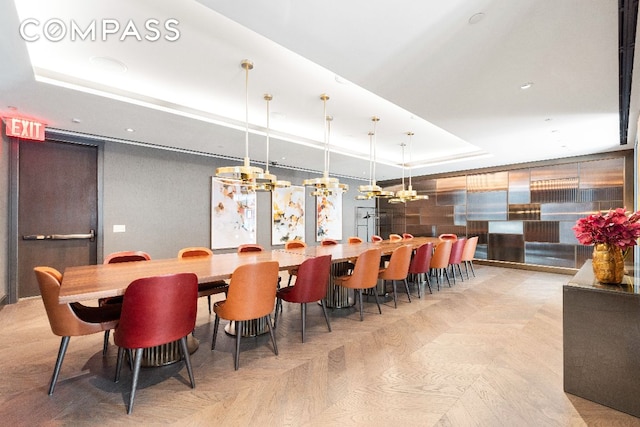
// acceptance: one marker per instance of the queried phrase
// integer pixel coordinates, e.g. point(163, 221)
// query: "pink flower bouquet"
point(615, 228)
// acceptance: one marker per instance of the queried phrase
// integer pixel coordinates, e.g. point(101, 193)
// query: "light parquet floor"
point(485, 352)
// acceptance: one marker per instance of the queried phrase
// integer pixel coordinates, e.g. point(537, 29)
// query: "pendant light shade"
point(251, 177)
point(372, 190)
point(325, 185)
point(409, 194)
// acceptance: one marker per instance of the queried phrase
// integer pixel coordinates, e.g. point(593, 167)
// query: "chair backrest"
point(456, 251)
point(157, 310)
point(375, 238)
point(292, 244)
point(312, 280)
point(63, 320)
point(448, 236)
point(421, 261)
point(354, 239)
point(328, 242)
point(250, 247)
point(398, 266)
point(440, 258)
point(194, 251)
point(365, 272)
point(395, 237)
point(252, 291)
point(469, 251)
point(407, 236)
point(126, 256)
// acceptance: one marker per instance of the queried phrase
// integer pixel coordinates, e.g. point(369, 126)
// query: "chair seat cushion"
point(104, 314)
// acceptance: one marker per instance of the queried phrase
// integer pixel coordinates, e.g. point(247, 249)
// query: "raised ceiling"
point(451, 72)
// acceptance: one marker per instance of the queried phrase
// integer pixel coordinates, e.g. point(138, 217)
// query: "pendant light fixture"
point(266, 181)
point(251, 177)
point(408, 195)
point(372, 190)
point(325, 185)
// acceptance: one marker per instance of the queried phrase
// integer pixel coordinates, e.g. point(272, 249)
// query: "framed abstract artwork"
point(329, 217)
point(233, 215)
point(287, 214)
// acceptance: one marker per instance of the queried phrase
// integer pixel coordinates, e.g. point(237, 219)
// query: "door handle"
point(79, 236)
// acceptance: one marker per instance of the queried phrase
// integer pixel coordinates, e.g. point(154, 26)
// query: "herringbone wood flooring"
point(485, 352)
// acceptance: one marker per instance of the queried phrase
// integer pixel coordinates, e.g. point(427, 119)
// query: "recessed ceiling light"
point(130, 130)
point(476, 17)
point(526, 85)
point(108, 64)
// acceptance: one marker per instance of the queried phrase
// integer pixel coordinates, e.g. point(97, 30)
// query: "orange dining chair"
point(420, 264)
point(293, 244)
point(252, 295)
point(209, 288)
point(468, 254)
point(354, 240)
point(156, 311)
point(407, 236)
point(376, 239)
point(70, 320)
point(328, 242)
point(395, 237)
point(364, 276)
point(397, 269)
point(455, 258)
point(440, 260)
point(311, 286)
point(250, 247)
point(116, 258)
point(447, 236)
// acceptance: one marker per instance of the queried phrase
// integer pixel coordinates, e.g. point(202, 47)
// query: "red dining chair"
point(328, 242)
point(209, 288)
point(252, 295)
point(155, 311)
point(70, 320)
point(364, 276)
point(395, 237)
point(469, 253)
point(407, 236)
point(440, 260)
point(455, 258)
point(311, 286)
point(398, 269)
point(250, 247)
point(293, 244)
point(420, 265)
point(376, 239)
point(116, 258)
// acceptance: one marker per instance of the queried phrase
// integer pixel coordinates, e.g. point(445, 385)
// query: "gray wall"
point(163, 198)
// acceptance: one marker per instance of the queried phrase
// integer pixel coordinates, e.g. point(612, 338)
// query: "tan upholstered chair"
point(398, 269)
point(448, 236)
point(328, 242)
point(395, 237)
point(354, 240)
point(364, 276)
point(71, 320)
point(252, 295)
point(209, 288)
point(469, 253)
point(440, 260)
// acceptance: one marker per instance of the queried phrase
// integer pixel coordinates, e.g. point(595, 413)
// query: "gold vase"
point(608, 263)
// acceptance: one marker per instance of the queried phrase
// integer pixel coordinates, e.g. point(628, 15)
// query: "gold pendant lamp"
point(325, 185)
point(250, 177)
point(372, 190)
point(408, 195)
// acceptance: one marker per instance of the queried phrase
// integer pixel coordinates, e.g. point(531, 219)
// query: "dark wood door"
point(57, 208)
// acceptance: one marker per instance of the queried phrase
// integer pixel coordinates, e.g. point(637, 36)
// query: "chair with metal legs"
point(420, 265)
point(398, 269)
point(364, 276)
point(440, 261)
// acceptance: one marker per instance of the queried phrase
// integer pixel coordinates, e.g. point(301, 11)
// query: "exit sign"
point(24, 128)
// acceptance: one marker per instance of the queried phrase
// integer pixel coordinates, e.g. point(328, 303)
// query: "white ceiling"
point(424, 66)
